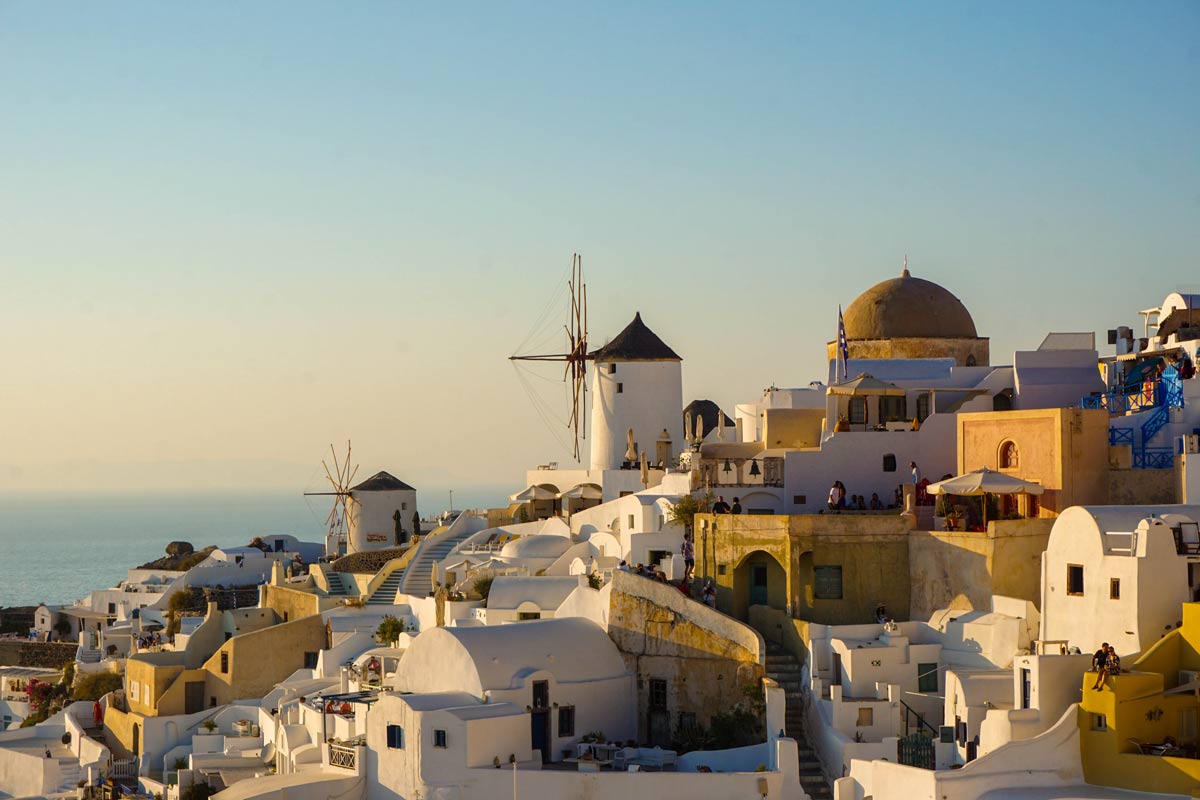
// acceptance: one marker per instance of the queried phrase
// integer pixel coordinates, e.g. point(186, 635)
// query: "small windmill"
point(576, 355)
point(340, 478)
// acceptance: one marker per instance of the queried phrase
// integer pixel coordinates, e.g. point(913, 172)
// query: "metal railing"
point(342, 756)
point(1118, 436)
point(922, 725)
point(1154, 458)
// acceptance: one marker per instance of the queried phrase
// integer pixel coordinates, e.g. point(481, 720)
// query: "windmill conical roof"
point(382, 482)
point(636, 343)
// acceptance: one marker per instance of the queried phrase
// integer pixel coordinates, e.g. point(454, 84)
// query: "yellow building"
point(1150, 709)
point(213, 670)
point(909, 317)
point(1063, 449)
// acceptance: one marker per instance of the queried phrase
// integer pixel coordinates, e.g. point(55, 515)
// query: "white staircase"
point(335, 583)
point(89, 656)
point(385, 593)
point(68, 774)
point(418, 577)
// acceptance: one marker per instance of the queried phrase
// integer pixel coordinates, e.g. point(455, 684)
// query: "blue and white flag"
point(843, 350)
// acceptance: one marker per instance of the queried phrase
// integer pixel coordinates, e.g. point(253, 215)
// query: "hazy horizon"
point(231, 235)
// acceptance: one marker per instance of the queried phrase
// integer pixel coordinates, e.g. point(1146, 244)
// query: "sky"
point(232, 233)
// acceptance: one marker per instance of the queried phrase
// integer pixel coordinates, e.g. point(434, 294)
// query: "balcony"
point(344, 755)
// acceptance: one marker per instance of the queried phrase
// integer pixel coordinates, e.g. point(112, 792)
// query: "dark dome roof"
point(382, 482)
point(908, 308)
point(707, 411)
point(636, 343)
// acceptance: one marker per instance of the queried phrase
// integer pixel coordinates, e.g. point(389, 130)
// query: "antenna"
point(576, 355)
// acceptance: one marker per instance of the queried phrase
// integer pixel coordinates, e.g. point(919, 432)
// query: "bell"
point(754, 470)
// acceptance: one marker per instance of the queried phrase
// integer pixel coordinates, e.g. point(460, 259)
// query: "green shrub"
point(96, 685)
point(483, 587)
point(390, 629)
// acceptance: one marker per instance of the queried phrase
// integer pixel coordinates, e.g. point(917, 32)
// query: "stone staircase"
point(786, 670)
point(385, 593)
point(89, 656)
point(335, 583)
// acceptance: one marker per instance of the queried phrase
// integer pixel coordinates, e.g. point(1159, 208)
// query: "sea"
point(56, 548)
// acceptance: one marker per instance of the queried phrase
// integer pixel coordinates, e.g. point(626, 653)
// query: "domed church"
point(909, 317)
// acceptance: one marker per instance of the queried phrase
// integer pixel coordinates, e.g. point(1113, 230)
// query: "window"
point(1009, 457)
point(1114, 589)
point(541, 694)
point(612, 369)
point(720, 569)
point(1099, 722)
point(224, 663)
point(687, 720)
point(395, 737)
point(827, 583)
point(799, 499)
point(7, 721)
point(631, 522)
point(866, 717)
point(922, 406)
point(528, 615)
point(112, 608)
point(404, 506)
point(133, 691)
point(439, 738)
point(310, 660)
point(927, 677)
point(893, 409)
point(889, 462)
point(971, 360)
point(620, 387)
point(1075, 579)
point(566, 720)
point(858, 411)
point(658, 694)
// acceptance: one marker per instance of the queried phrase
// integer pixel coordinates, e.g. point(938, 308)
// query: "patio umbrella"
point(532, 493)
point(867, 384)
point(645, 471)
point(984, 482)
point(630, 450)
point(583, 491)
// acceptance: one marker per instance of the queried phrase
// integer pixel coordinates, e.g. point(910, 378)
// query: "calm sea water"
point(57, 548)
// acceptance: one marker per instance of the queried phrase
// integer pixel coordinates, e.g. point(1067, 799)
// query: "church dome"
point(908, 308)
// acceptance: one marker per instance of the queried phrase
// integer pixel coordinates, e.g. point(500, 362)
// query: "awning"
point(985, 481)
point(867, 384)
point(532, 493)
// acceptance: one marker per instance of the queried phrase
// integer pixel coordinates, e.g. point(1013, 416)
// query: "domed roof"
point(536, 546)
point(908, 307)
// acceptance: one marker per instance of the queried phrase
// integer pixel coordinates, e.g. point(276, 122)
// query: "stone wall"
point(36, 654)
point(705, 657)
point(1142, 487)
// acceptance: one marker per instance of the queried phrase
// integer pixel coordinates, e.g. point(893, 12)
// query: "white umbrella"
point(687, 425)
point(532, 493)
point(645, 472)
point(984, 481)
point(584, 491)
point(720, 424)
point(630, 450)
point(699, 429)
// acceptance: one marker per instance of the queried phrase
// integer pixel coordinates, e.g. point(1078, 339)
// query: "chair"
point(622, 757)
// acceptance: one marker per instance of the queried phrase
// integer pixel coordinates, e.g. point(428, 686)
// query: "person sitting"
point(736, 508)
point(876, 503)
point(1112, 666)
point(1099, 657)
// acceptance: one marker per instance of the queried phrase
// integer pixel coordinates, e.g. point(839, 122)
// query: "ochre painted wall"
point(793, 427)
point(958, 349)
point(259, 660)
point(290, 604)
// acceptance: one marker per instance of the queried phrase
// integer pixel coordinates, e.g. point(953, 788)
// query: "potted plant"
point(209, 726)
point(952, 520)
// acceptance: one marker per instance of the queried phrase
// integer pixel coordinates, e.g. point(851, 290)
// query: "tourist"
point(736, 508)
point(709, 594)
point(916, 472)
point(720, 507)
point(833, 496)
point(623, 566)
point(1099, 657)
point(876, 503)
point(1112, 666)
point(688, 550)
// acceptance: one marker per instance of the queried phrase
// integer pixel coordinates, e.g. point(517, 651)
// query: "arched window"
point(1002, 402)
point(971, 360)
point(1009, 457)
point(858, 410)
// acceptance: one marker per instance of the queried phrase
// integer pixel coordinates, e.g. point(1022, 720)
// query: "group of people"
point(1105, 662)
point(857, 502)
point(721, 507)
point(148, 640)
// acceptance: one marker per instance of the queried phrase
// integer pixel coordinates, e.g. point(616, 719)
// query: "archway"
point(759, 579)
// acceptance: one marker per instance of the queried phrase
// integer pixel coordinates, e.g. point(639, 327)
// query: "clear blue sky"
point(233, 232)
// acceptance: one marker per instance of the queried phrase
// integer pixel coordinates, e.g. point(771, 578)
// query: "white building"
point(520, 599)
point(1119, 574)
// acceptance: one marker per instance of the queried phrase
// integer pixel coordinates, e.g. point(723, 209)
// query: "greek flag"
point(843, 350)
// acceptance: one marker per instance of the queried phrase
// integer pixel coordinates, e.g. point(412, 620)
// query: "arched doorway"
point(759, 579)
point(136, 743)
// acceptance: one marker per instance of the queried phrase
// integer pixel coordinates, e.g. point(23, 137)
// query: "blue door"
point(758, 585)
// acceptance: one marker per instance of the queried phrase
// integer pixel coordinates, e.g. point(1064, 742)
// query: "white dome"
point(536, 547)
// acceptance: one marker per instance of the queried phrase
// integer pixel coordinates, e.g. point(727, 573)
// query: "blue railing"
point(1120, 436)
point(1153, 458)
point(1119, 402)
